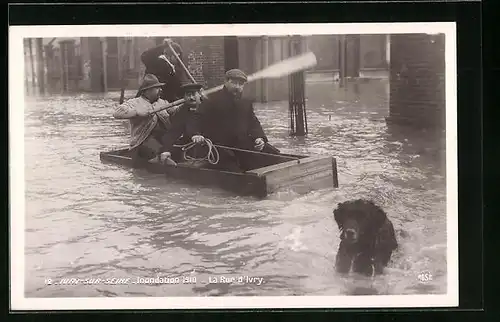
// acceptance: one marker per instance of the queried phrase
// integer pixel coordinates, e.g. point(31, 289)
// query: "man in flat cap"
point(161, 62)
point(228, 119)
point(149, 127)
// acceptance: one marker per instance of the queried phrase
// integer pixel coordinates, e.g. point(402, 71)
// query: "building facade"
point(416, 70)
point(418, 80)
point(110, 63)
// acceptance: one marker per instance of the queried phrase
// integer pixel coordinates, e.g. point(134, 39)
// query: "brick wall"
point(417, 80)
point(204, 58)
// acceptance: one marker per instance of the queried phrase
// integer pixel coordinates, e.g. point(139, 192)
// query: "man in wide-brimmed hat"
point(161, 62)
point(148, 126)
point(228, 119)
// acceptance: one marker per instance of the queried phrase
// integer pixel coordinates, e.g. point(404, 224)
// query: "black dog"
point(367, 238)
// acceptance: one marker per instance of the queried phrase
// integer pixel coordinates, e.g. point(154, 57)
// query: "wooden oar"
point(278, 70)
point(184, 67)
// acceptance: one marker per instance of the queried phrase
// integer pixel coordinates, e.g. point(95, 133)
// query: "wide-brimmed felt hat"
point(150, 81)
point(191, 88)
point(236, 74)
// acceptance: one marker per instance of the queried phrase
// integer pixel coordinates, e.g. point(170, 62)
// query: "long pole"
point(198, 101)
point(181, 62)
point(257, 152)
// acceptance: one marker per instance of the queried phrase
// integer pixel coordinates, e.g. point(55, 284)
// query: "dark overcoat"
point(173, 79)
point(226, 121)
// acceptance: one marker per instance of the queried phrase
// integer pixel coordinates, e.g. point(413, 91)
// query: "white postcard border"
point(16, 166)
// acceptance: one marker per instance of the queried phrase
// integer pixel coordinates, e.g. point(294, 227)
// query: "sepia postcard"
point(233, 166)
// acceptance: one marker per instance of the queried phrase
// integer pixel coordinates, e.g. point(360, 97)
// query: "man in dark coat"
point(161, 62)
point(228, 119)
point(180, 116)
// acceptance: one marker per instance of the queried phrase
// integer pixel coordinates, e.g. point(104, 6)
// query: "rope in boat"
point(212, 156)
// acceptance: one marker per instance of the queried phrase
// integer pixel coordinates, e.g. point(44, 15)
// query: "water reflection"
point(85, 218)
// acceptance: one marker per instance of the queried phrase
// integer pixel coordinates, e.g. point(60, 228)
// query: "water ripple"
point(89, 219)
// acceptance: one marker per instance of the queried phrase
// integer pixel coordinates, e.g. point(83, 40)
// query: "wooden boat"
point(274, 172)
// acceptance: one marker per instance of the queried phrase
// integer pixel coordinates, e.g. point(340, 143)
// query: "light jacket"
point(141, 127)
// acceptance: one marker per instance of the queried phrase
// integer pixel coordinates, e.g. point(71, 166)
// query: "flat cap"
point(236, 73)
point(191, 88)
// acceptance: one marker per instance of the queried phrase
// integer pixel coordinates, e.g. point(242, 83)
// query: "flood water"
point(86, 219)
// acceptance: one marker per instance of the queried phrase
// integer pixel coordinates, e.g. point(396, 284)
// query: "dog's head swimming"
point(367, 237)
point(358, 220)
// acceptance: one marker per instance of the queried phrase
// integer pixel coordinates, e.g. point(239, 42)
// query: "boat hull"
point(275, 172)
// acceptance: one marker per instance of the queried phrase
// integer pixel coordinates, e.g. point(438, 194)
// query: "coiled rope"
point(212, 156)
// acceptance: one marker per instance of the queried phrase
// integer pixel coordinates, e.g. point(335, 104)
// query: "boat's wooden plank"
point(310, 177)
point(258, 182)
point(289, 164)
point(309, 170)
